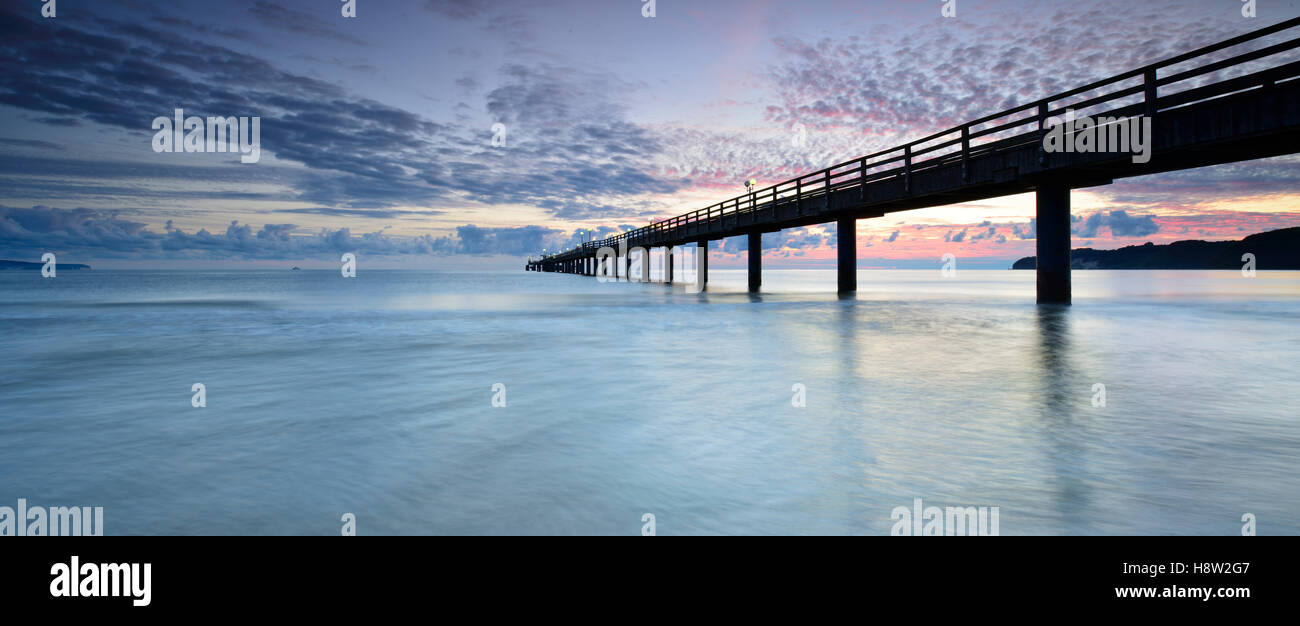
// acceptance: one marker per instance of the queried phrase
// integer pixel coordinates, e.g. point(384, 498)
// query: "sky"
point(377, 131)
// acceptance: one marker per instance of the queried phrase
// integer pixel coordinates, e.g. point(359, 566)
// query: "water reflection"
point(1062, 394)
point(1054, 359)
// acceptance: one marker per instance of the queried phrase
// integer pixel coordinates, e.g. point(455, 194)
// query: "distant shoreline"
point(1272, 250)
point(6, 264)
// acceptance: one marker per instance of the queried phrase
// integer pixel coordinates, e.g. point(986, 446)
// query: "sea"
point(512, 402)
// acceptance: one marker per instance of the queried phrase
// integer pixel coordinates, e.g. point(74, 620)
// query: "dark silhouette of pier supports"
point(755, 261)
point(702, 263)
point(668, 265)
point(846, 250)
point(1053, 224)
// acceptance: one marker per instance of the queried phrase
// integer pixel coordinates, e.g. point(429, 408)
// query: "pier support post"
point(755, 261)
point(702, 262)
point(846, 249)
point(1053, 224)
point(668, 265)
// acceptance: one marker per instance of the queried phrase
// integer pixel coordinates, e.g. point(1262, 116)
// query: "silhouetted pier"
point(1197, 120)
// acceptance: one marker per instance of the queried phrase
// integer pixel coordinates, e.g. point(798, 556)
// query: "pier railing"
point(1136, 92)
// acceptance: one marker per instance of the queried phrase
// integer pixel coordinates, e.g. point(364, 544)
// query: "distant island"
point(25, 265)
point(1273, 250)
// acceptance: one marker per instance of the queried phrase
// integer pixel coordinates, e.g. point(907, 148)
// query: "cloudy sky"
point(377, 131)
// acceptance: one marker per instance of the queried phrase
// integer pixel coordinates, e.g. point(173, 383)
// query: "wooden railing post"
point(1149, 80)
point(965, 154)
point(907, 168)
point(862, 179)
point(828, 189)
point(798, 196)
point(1042, 132)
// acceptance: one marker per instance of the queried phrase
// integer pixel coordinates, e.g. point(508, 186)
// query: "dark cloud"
point(373, 213)
point(204, 29)
point(1120, 223)
point(989, 232)
point(570, 148)
point(28, 232)
point(1026, 232)
point(281, 18)
point(67, 122)
point(29, 143)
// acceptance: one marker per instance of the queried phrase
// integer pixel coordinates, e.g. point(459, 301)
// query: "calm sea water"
point(373, 396)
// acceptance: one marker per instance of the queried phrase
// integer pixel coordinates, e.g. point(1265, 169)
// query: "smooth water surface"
point(373, 396)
